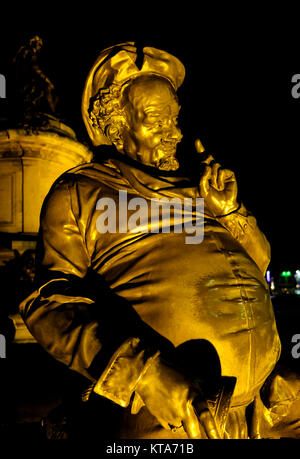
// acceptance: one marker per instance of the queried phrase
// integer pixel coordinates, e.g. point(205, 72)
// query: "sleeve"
point(243, 226)
point(75, 316)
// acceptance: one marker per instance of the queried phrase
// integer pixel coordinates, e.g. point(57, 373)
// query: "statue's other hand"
point(175, 401)
point(218, 186)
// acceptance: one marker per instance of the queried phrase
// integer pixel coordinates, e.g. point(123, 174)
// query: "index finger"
point(199, 147)
point(207, 158)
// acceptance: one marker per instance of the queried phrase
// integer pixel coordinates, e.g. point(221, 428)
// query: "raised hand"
point(218, 186)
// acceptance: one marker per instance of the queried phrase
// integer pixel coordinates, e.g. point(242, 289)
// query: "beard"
point(165, 156)
point(169, 163)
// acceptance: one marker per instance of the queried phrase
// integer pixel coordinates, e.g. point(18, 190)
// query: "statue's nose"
point(174, 133)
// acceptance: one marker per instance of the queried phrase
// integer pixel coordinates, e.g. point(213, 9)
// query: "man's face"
point(152, 110)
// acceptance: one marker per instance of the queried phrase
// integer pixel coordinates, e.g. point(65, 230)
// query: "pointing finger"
point(206, 158)
point(199, 147)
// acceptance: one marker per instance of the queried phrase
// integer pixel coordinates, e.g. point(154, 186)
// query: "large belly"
point(211, 291)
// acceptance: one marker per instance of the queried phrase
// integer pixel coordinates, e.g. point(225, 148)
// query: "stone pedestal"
point(29, 164)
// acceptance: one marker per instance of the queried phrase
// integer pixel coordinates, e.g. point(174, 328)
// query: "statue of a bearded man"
point(162, 321)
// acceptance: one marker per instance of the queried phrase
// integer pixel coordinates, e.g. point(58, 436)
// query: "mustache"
point(165, 153)
point(170, 143)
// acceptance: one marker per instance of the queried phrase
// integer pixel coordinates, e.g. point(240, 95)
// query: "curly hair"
point(106, 112)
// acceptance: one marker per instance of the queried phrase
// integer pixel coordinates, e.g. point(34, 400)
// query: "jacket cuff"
point(239, 222)
point(124, 370)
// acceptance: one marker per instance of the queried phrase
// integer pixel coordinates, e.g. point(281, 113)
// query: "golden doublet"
point(213, 290)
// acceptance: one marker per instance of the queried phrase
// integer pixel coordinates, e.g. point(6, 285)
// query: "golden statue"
point(155, 323)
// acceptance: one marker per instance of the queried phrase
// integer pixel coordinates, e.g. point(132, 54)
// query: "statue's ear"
point(97, 137)
point(115, 132)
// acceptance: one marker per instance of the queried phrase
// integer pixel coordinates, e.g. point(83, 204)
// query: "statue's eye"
point(154, 119)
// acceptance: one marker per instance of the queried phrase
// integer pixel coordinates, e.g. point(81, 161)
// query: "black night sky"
point(236, 98)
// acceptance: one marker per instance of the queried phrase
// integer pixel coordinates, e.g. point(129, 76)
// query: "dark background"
point(236, 96)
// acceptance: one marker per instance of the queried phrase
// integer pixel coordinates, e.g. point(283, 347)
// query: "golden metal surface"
point(169, 291)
